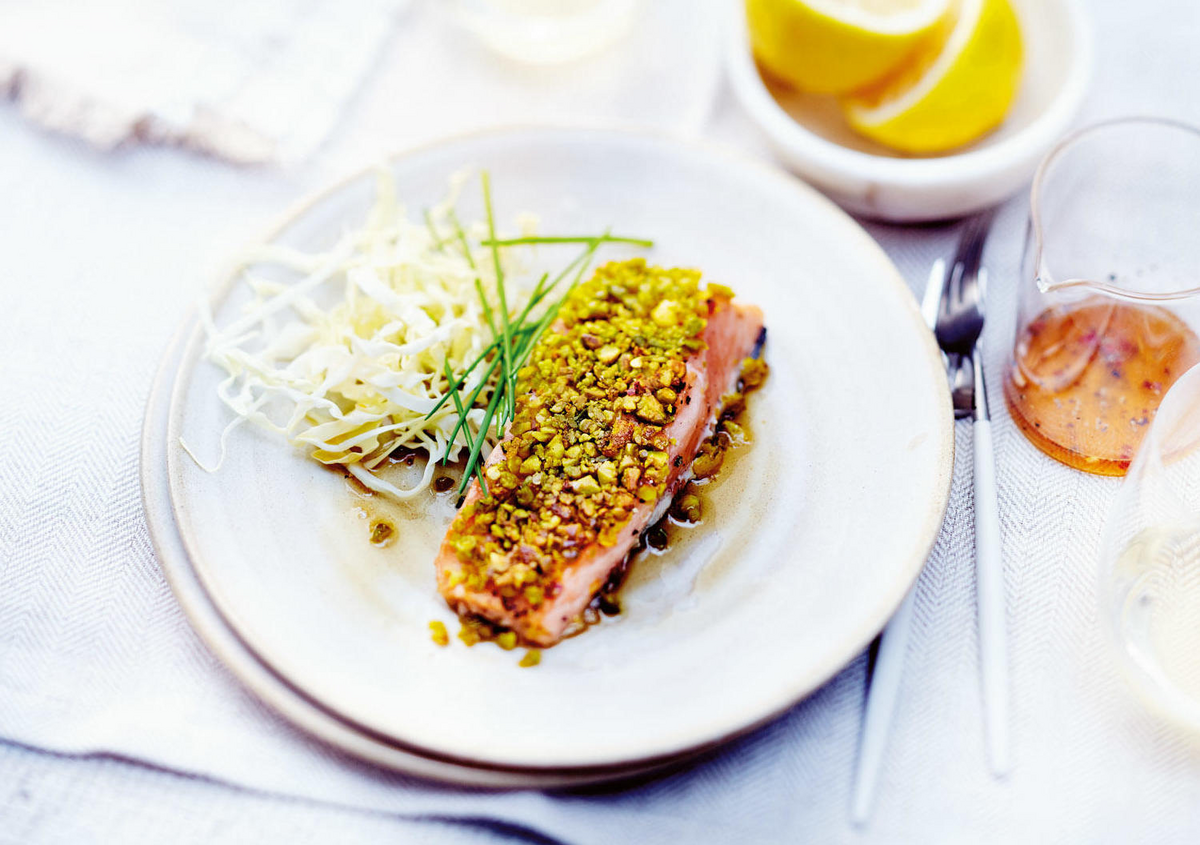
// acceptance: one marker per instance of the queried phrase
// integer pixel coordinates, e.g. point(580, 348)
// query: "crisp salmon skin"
point(614, 403)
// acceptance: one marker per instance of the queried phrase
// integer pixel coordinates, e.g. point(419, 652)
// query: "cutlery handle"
point(989, 582)
point(881, 705)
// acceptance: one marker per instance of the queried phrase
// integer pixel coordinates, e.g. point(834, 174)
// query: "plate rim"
point(190, 334)
point(260, 678)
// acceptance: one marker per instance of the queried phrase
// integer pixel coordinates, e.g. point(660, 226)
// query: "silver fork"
point(968, 280)
point(959, 326)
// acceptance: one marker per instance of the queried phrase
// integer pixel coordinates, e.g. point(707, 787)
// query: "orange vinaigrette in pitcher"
point(1086, 379)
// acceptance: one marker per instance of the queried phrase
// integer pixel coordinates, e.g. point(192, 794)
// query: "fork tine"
point(955, 299)
point(973, 238)
point(931, 302)
point(968, 293)
point(961, 313)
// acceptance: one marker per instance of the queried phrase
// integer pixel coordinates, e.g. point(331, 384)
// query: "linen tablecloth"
point(116, 725)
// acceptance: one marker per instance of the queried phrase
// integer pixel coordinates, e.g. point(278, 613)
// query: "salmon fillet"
point(615, 402)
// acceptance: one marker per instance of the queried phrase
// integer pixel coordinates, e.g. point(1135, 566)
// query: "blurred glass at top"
point(1149, 585)
point(546, 31)
point(1110, 298)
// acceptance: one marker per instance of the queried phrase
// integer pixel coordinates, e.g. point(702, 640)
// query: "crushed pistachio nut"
point(588, 443)
point(469, 635)
point(686, 508)
point(754, 372)
point(438, 633)
point(709, 459)
point(381, 532)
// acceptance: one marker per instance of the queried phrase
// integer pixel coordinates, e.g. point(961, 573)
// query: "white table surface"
point(103, 252)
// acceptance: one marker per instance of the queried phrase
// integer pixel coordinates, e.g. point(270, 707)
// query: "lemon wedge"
point(950, 95)
point(837, 46)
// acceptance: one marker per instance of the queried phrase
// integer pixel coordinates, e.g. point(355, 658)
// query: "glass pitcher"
point(1110, 300)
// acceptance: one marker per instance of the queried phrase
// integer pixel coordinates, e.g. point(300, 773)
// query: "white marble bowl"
point(808, 132)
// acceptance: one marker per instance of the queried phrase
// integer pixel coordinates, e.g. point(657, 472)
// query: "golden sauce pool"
point(386, 520)
point(1086, 380)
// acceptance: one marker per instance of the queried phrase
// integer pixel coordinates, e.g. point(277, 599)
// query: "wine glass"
point(1149, 587)
point(546, 31)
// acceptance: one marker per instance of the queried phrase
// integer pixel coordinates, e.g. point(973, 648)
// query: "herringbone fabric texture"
point(101, 256)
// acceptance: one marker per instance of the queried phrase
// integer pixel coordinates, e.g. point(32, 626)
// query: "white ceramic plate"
point(258, 676)
point(810, 135)
point(809, 543)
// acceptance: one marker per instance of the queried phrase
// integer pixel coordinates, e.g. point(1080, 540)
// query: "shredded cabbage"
point(351, 378)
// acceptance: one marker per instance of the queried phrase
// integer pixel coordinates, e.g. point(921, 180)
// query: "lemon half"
point(950, 96)
point(837, 46)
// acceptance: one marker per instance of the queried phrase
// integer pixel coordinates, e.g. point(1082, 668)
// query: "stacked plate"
point(807, 546)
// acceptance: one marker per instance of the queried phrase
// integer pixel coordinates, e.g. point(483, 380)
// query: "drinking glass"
point(1149, 586)
point(546, 31)
point(1110, 290)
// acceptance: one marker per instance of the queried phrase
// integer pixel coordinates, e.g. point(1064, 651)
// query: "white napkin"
point(248, 81)
point(101, 256)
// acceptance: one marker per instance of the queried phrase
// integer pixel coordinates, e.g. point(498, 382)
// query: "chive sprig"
point(513, 336)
